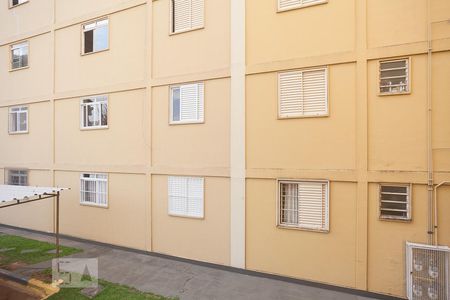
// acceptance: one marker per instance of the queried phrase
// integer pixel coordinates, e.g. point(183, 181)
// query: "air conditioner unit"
point(427, 272)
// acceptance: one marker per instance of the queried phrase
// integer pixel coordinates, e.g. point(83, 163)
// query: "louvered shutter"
point(198, 7)
point(315, 92)
point(191, 102)
point(285, 4)
point(303, 93)
point(313, 205)
point(187, 14)
point(181, 15)
point(290, 93)
point(186, 196)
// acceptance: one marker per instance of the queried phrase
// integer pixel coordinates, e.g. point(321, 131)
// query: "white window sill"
point(186, 216)
point(94, 205)
point(93, 128)
point(394, 93)
point(20, 4)
point(301, 6)
point(186, 122)
point(293, 227)
point(94, 52)
point(302, 116)
point(18, 132)
point(186, 30)
point(395, 219)
point(18, 69)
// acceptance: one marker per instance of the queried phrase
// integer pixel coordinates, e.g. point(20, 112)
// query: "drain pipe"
point(429, 129)
point(435, 227)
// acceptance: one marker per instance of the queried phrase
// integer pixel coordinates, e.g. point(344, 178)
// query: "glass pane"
point(23, 121)
point(88, 41)
point(104, 114)
point(394, 189)
point(176, 104)
point(101, 38)
point(90, 115)
point(393, 73)
point(13, 122)
point(393, 64)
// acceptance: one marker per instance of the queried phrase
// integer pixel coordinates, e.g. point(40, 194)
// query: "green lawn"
point(110, 291)
point(21, 250)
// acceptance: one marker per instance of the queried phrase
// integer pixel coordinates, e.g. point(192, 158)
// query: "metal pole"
point(57, 225)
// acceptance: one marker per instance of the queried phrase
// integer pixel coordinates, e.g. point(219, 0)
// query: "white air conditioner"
point(427, 272)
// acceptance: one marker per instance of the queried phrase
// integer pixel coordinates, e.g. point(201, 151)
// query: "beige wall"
point(297, 253)
point(203, 145)
point(67, 10)
point(29, 17)
point(313, 31)
point(124, 62)
point(122, 223)
point(36, 215)
point(205, 239)
point(126, 111)
point(22, 84)
point(386, 262)
point(315, 143)
point(27, 150)
point(178, 55)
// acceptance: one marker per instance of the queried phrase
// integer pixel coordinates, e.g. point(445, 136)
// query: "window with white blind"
point(17, 177)
point(19, 56)
point(292, 4)
point(94, 189)
point(94, 112)
point(18, 119)
point(395, 202)
point(303, 93)
point(186, 15)
point(96, 36)
point(13, 3)
point(394, 76)
point(304, 204)
point(187, 103)
point(186, 196)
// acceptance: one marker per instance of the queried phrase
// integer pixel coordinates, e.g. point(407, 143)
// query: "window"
point(186, 103)
point(186, 15)
point(394, 76)
point(292, 4)
point(19, 56)
point(304, 204)
point(94, 112)
point(17, 177)
point(95, 36)
point(94, 189)
point(13, 3)
point(395, 202)
point(303, 93)
point(185, 196)
point(18, 119)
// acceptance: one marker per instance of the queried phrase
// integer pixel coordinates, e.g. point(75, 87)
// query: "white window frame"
point(172, 20)
point(303, 115)
point(11, 5)
point(97, 178)
point(19, 46)
point(98, 102)
point(326, 227)
point(200, 104)
point(23, 173)
point(301, 4)
point(186, 213)
point(94, 25)
point(17, 110)
point(408, 202)
point(407, 76)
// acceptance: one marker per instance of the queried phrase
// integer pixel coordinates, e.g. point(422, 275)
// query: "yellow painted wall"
point(28, 150)
point(123, 63)
point(193, 52)
point(203, 145)
point(67, 10)
point(205, 239)
point(121, 144)
point(122, 223)
point(315, 143)
point(22, 84)
point(35, 215)
point(296, 253)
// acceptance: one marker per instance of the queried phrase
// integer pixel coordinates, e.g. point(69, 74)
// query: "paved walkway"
point(174, 278)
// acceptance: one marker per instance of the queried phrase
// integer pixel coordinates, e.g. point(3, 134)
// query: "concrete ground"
point(173, 278)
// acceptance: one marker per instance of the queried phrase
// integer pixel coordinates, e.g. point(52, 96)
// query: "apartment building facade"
point(302, 138)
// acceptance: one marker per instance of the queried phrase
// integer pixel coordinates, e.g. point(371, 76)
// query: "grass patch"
point(16, 249)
